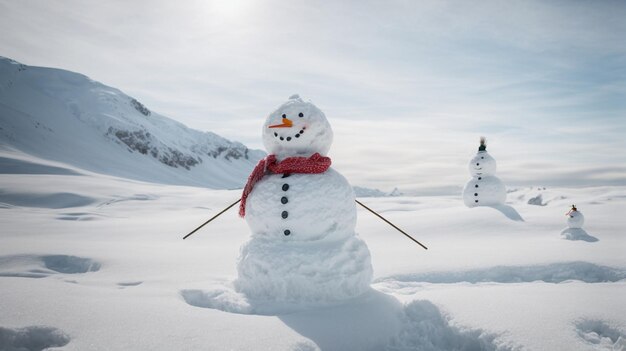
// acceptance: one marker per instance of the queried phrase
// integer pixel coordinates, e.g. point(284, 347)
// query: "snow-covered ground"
point(95, 262)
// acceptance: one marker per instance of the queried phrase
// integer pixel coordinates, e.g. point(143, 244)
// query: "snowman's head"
point(482, 164)
point(297, 128)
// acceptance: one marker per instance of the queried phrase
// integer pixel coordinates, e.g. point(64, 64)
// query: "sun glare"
point(228, 9)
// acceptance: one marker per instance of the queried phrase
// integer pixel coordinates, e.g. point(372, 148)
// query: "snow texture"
point(303, 244)
point(426, 329)
point(484, 189)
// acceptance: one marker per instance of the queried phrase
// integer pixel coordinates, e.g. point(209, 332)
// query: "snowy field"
point(93, 262)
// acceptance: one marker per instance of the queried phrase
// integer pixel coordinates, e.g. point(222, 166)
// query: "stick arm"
point(391, 224)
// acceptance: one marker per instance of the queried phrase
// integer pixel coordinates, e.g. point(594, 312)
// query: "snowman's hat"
point(574, 208)
point(483, 144)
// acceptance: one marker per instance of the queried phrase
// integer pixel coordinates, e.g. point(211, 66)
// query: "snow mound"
point(33, 338)
point(577, 234)
point(536, 196)
point(601, 335)
point(508, 211)
point(536, 200)
point(551, 273)
point(223, 298)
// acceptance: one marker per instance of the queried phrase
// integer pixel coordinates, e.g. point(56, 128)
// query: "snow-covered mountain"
point(66, 117)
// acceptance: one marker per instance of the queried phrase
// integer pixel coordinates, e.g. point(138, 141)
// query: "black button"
point(476, 186)
point(284, 200)
point(287, 232)
point(475, 194)
point(285, 175)
point(479, 178)
point(285, 214)
point(285, 187)
point(475, 200)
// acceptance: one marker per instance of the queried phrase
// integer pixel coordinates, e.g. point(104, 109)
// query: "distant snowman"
point(574, 230)
point(575, 218)
point(484, 189)
point(302, 216)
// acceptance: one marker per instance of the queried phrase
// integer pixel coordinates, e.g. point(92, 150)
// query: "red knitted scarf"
point(314, 164)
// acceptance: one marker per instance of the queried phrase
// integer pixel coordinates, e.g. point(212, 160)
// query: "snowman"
point(484, 189)
point(302, 216)
point(574, 230)
point(575, 218)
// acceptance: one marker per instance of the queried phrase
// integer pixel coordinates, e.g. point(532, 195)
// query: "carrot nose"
point(287, 123)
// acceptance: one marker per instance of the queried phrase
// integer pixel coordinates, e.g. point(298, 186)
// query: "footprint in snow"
point(601, 335)
point(78, 216)
point(32, 338)
point(41, 266)
point(123, 285)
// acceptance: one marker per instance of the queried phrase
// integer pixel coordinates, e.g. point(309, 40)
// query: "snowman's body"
point(310, 206)
point(484, 189)
point(303, 245)
point(575, 219)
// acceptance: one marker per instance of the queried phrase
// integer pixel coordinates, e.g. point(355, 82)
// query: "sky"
point(408, 86)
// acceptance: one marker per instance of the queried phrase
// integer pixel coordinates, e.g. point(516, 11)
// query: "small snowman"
point(302, 216)
point(484, 189)
point(574, 230)
point(575, 218)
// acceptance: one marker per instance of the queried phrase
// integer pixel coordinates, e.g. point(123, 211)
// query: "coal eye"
point(300, 114)
point(284, 115)
point(482, 157)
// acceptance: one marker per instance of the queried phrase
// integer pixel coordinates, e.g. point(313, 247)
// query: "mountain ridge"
point(67, 117)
